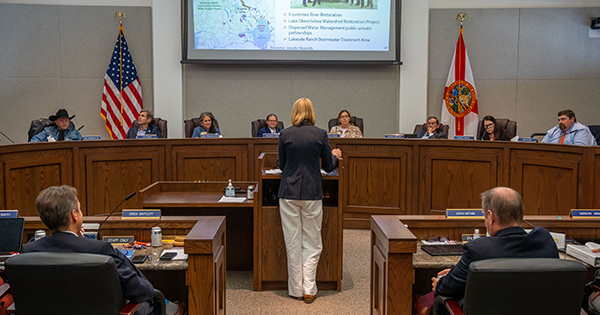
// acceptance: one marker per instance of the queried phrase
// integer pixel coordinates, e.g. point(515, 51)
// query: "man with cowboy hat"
point(60, 130)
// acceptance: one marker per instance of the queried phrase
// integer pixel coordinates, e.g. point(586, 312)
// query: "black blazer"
point(152, 129)
point(300, 148)
point(511, 242)
point(502, 135)
point(437, 134)
point(135, 286)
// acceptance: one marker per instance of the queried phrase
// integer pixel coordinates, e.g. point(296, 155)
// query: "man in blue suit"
point(144, 126)
point(271, 126)
point(503, 212)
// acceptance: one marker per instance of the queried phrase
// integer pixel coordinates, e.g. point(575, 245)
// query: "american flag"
point(120, 108)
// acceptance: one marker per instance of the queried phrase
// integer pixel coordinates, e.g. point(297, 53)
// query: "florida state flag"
point(459, 107)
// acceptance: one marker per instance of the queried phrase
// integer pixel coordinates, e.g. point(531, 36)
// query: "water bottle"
point(476, 234)
point(230, 191)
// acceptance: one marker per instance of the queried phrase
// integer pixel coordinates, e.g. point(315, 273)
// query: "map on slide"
point(234, 24)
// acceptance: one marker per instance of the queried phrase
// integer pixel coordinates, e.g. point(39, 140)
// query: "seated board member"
point(59, 209)
point(271, 126)
point(344, 128)
point(144, 126)
point(207, 125)
point(433, 131)
point(569, 131)
point(60, 130)
point(491, 130)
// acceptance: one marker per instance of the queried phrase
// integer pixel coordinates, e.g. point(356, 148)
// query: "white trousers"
point(301, 221)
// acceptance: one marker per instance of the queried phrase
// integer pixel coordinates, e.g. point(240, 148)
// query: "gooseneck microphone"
point(7, 137)
point(80, 127)
point(115, 209)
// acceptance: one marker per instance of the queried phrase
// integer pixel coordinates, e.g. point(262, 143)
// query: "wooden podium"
point(392, 248)
point(270, 273)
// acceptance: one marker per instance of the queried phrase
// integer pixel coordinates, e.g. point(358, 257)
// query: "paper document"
point(592, 245)
point(232, 199)
point(274, 171)
point(177, 250)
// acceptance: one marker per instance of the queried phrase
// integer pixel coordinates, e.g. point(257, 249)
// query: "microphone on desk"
point(7, 137)
point(80, 127)
point(115, 209)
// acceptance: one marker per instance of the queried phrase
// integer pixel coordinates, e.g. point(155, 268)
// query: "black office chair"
point(518, 286)
point(357, 121)
point(595, 130)
point(68, 283)
point(261, 123)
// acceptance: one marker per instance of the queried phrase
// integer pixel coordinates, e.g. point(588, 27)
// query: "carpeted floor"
point(353, 299)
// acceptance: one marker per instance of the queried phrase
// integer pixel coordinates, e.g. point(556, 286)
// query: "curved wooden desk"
point(381, 176)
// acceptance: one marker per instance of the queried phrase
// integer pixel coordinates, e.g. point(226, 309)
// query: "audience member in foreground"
point(59, 209)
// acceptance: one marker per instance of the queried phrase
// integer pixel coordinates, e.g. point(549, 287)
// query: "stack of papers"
point(232, 199)
point(274, 171)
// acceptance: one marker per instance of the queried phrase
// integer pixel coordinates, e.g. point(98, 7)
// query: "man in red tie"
point(569, 131)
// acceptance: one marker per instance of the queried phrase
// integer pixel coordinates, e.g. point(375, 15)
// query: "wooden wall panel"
point(27, 173)
point(376, 179)
point(454, 177)
point(548, 181)
point(114, 173)
point(210, 162)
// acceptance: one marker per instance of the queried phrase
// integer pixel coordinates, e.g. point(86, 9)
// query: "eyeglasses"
point(345, 116)
point(271, 120)
point(488, 125)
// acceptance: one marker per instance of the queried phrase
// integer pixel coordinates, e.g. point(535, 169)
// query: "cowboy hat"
point(60, 114)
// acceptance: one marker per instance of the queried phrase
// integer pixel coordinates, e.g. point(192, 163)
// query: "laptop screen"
point(11, 234)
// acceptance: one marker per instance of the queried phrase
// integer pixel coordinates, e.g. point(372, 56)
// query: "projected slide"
point(320, 25)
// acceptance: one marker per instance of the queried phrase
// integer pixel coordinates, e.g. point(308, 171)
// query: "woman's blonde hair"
point(303, 111)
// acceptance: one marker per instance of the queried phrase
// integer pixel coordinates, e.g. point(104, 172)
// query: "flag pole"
point(462, 16)
point(121, 15)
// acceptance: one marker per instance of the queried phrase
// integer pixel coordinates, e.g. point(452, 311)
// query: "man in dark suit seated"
point(433, 131)
point(503, 212)
point(271, 126)
point(144, 127)
point(59, 209)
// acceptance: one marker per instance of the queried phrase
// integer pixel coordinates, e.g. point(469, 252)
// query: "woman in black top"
point(492, 132)
point(301, 147)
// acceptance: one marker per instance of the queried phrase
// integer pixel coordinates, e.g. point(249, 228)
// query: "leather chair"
point(158, 122)
point(595, 130)
point(517, 286)
point(357, 121)
point(69, 283)
point(261, 123)
point(442, 127)
point(190, 124)
point(509, 125)
point(37, 125)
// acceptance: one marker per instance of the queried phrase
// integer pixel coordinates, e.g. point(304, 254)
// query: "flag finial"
point(462, 16)
point(120, 15)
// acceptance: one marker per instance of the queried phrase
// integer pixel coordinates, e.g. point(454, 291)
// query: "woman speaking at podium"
point(301, 146)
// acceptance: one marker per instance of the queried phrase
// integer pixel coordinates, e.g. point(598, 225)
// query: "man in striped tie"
point(569, 131)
